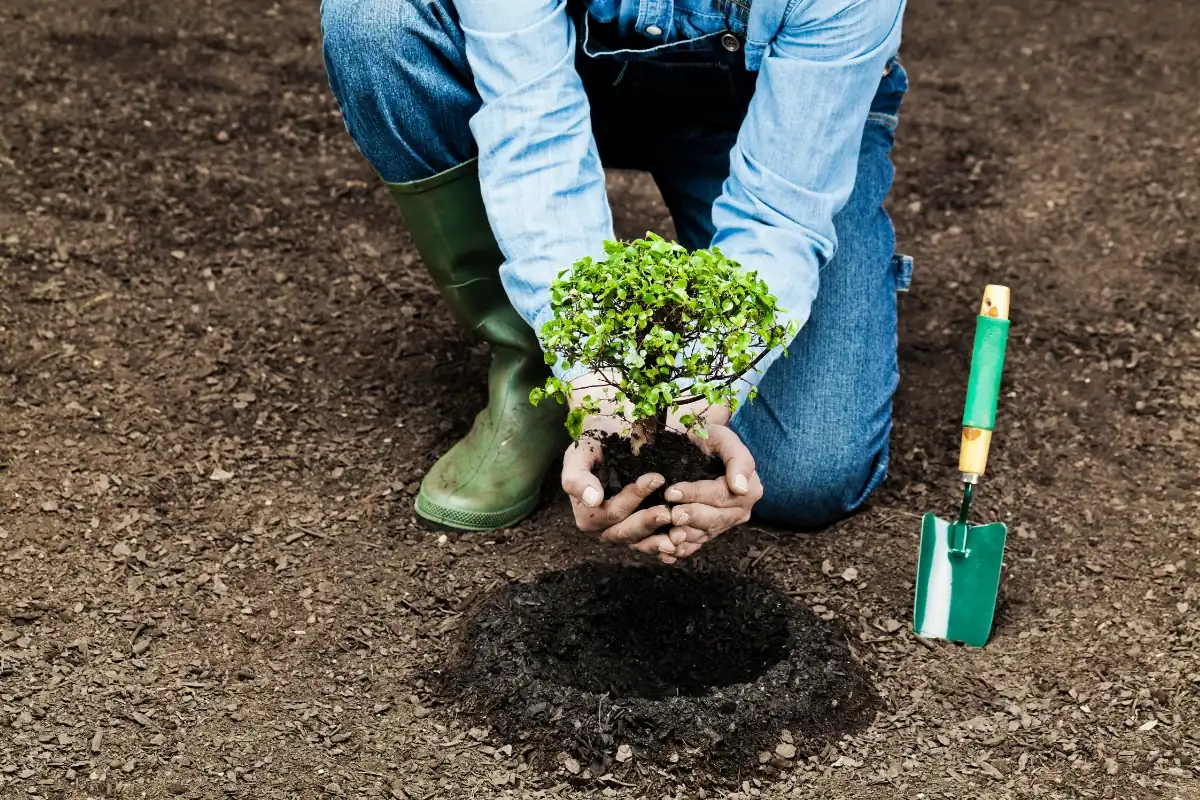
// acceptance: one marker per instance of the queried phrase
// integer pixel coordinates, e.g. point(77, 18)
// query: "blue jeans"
point(820, 425)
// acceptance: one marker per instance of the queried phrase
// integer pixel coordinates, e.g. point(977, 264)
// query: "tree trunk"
point(644, 431)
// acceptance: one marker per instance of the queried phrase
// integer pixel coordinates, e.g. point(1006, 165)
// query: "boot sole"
point(442, 518)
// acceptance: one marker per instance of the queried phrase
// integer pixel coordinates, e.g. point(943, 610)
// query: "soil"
point(223, 371)
point(671, 455)
point(694, 672)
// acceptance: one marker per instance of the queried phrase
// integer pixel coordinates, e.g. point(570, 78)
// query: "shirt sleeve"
point(796, 157)
point(540, 172)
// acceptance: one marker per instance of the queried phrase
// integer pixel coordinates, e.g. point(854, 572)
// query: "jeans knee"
point(811, 484)
point(354, 32)
point(399, 73)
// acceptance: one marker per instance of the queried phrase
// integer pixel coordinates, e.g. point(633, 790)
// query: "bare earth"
point(223, 372)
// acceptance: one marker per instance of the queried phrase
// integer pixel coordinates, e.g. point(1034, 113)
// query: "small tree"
point(663, 327)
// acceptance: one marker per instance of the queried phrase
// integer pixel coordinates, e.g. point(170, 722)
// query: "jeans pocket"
point(893, 87)
point(902, 271)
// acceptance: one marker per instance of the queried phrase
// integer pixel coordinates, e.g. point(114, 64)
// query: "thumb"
point(577, 478)
point(739, 463)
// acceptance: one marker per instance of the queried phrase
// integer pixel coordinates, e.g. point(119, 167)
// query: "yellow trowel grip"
point(983, 387)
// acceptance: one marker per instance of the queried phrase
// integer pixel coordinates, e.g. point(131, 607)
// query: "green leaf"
point(551, 358)
point(575, 420)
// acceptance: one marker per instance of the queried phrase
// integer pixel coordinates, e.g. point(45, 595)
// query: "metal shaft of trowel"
point(969, 482)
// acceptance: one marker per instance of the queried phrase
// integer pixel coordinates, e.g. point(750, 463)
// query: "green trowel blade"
point(958, 578)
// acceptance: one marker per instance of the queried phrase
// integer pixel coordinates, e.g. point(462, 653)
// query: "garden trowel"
point(958, 571)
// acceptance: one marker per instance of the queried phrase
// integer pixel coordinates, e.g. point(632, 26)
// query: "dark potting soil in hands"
point(672, 455)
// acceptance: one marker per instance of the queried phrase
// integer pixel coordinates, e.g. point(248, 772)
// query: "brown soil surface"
point(223, 371)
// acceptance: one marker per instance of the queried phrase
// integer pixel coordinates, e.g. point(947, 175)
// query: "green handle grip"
point(987, 364)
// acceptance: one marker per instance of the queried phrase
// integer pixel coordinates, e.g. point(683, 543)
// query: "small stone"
point(785, 750)
point(624, 753)
point(571, 766)
point(158, 739)
point(850, 574)
point(129, 766)
point(420, 712)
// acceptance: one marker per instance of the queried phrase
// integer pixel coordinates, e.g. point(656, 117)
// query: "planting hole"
point(692, 668)
point(656, 633)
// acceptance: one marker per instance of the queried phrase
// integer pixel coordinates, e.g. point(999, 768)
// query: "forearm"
point(796, 158)
point(540, 172)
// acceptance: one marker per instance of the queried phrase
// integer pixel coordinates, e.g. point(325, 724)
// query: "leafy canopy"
point(663, 327)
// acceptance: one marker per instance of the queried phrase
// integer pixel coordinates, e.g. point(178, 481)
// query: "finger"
point(686, 533)
point(709, 493)
point(577, 478)
point(686, 549)
point(717, 494)
point(706, 518)
point(739, 463)
point(653, 545)
point(639, 525)
point(628, 499)
point(666, 559)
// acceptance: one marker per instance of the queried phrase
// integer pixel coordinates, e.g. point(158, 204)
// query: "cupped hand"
point(708, 508)
point(703, 510)
point(618, 518)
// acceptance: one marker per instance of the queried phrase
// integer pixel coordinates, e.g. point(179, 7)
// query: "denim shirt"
point(792, 168)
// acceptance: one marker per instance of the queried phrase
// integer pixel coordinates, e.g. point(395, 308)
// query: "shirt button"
point(653, 30)
point(730, 42)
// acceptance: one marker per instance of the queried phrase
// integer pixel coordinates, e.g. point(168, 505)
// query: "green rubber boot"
point(493, 477)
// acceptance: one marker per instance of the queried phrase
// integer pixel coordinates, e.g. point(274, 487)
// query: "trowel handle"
point(983, 386)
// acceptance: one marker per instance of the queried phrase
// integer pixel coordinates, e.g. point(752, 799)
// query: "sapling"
point(665, 333)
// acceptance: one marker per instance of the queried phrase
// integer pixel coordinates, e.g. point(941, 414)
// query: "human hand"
point(706, 509)
point(617, 519)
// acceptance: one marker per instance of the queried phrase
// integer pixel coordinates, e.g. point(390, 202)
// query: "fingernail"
point(655, 482)
point(674, 495)
point(663, 519)
point(683, 519)
point(740, 484)
point(666, 559)
point(677, 536)
point(666, 548)
point(591, 496)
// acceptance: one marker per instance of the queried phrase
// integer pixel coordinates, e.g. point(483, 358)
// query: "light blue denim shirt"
point(791, 170)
